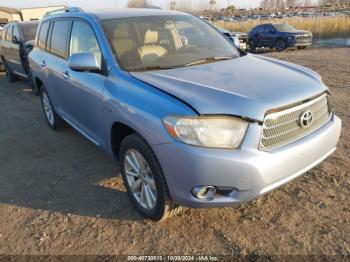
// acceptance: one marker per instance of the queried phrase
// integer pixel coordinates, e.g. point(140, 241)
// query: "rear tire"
point(149, 176)
point(280, 45)
point(54, 121)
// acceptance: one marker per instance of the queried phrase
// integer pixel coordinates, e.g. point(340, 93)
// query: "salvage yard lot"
point(60, 195)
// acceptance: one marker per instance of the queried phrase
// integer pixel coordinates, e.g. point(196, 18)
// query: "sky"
point(103, 4)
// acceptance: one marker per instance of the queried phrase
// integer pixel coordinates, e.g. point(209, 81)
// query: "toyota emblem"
point(305, 119)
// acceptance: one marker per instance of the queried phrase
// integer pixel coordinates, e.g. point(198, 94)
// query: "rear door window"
point(3, 35)
point(16, 33)
point(29, 31)
point(260, 29)
point(42, 38)
point(59, 38)
point(269, 28)
point(9, 33)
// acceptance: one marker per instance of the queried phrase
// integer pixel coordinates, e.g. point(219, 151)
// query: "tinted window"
point(43, 35)
point(284, 27)
point(9, 33)
point(29, 31)
point(83, 39)
point(259, 29)
point(59, 37)
point(16, 32)
point(268, 28)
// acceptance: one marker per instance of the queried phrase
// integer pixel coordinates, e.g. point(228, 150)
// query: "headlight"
point(290, 38)
point(208, 131)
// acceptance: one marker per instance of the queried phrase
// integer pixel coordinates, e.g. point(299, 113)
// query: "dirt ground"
point(60, 195)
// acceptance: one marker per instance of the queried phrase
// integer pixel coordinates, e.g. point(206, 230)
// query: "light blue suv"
point(193, 121)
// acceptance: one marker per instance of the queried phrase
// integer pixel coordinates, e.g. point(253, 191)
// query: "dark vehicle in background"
point(15, 45)
point(279, 36)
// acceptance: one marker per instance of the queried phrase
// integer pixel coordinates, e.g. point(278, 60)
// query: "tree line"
point(293, 3)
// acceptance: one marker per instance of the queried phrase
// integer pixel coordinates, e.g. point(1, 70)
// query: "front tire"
point(54, 121)
point(144, 179)
point(280, 45)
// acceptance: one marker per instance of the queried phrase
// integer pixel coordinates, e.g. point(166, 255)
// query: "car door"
point(15, 52)
point(259, 31)
point(54, 62)
point(269, 35)
point(83, 90)
point(8, 47)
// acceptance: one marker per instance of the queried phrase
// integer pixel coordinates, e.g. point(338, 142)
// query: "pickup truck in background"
point(16, 42)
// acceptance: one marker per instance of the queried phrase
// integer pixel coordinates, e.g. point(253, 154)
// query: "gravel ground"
point(60, 195)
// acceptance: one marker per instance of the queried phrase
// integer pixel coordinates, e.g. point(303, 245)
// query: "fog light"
point(204, 192)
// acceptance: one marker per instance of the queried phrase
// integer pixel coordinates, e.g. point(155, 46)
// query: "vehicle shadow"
point(54, 171)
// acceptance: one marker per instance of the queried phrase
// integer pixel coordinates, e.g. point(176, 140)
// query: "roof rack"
point(64, 10)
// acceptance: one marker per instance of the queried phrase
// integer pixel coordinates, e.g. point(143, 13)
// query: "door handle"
point(43, 64)
point(66, 75)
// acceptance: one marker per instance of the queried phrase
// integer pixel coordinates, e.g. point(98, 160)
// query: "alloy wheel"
point(140, 179)
point(48, 108)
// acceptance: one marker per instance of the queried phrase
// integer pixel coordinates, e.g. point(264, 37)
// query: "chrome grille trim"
point(281, 128)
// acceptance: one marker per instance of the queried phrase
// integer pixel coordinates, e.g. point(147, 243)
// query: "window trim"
point(19, 38)
point(7, 33)
point(52, 24)
point(104, 71)
point(47, 33)
point(4, 35)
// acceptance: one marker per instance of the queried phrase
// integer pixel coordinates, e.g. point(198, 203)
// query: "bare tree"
point(307, 3)
point(137, 3)
point(291, 3)
point(172, 5)
point(212, 4)
point(280, 4)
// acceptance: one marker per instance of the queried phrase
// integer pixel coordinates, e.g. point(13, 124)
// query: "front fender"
point(141, 107)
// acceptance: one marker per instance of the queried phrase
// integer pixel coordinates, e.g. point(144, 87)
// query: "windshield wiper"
point(208, 59)
point(149, 68)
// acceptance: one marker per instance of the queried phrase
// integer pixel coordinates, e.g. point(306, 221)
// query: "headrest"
point(120, 32)
point(151, 37)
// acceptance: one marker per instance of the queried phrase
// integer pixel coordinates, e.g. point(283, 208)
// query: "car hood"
point(297, 32)
point(247, 86)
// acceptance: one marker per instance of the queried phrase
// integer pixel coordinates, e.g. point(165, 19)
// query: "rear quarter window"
point(42, 38)
point(29, 31)
point(9, 33)
point(59, 38)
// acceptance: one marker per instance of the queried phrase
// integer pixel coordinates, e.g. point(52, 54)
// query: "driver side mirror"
point(15, 40)
point(84, 62)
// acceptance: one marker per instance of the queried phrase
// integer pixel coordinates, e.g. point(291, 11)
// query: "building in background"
point(36, 13)
point(8, 15)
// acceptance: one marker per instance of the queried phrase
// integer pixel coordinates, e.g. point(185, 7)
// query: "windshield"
point(29, 31)
point(163, 42)
point(284, 27)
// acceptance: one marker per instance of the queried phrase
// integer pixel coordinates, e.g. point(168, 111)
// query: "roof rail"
point(64, 10)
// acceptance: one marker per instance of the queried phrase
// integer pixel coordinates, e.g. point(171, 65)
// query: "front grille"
point(303, 38)
point(283, 127)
